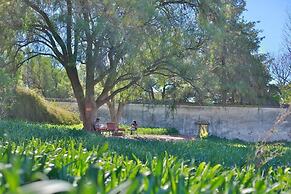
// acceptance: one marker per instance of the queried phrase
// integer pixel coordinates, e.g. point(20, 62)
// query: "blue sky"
point(272, 15)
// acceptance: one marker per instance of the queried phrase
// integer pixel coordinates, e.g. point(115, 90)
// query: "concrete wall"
point(245, 123)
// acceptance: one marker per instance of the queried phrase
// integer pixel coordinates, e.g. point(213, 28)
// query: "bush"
point(286, 94)
point(30, 106)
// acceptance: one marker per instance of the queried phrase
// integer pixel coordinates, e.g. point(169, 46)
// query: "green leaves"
point(46, 187)
point(77, 163)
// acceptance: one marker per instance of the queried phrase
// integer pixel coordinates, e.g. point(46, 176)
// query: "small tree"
point(281, 69)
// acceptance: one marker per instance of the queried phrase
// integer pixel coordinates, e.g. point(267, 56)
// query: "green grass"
point(30, 106)
point(191, 150)
point(82, 162)
point(152, 130)
point(211, 150)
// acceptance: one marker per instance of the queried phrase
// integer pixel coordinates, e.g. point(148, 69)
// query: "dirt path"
point(159, 137)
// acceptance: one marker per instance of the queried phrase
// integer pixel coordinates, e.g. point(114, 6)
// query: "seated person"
point(97, 124)
point(133, 127)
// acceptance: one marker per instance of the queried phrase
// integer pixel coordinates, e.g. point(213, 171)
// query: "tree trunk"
point(224, 97)
point(233, 97)
point(111, 108)
point(115, 114)
point(164, 93)
point(199, 100)
point(90, 113)
point(152, 93)
point(87, 106)
point(120, 109)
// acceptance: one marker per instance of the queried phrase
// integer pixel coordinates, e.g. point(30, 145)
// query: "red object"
point(110, 127)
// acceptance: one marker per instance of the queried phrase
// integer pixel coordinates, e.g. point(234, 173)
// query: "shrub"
point(30, 106)
point(286, 94)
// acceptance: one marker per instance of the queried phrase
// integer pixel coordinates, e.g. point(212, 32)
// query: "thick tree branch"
point(69, 27)
point(117, 91)
point(18, 65)
point(181, 2)
point(49, 24)
point(51, 41)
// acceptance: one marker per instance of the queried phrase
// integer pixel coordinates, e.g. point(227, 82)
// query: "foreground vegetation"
point(36, 158)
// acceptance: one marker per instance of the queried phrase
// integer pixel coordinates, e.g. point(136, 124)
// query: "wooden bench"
point(111, 128)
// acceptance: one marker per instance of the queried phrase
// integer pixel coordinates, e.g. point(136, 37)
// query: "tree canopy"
point(187, 51)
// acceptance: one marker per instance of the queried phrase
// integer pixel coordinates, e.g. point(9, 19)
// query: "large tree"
point(238, 71)
point(116, 42)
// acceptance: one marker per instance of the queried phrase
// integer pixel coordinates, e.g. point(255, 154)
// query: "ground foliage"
point(30, 106)
point(36, 158)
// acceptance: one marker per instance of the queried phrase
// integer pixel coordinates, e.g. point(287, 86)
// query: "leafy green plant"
point(35, 158)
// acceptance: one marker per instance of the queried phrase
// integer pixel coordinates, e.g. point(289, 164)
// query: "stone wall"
point(245, 123)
